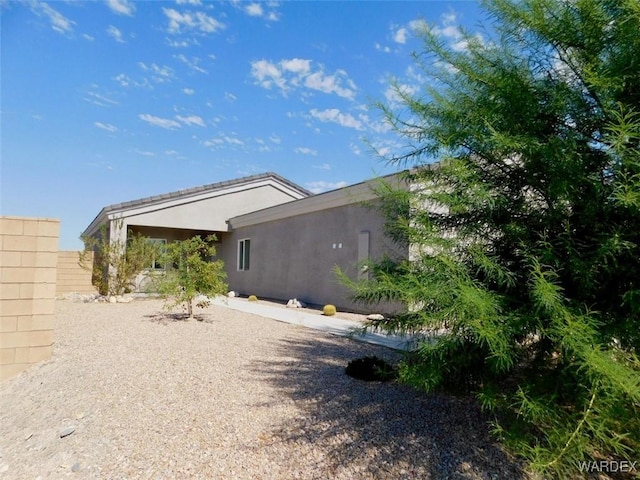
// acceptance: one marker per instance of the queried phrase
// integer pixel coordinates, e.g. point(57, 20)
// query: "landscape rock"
point(80, 297)
point(375, 317)
point(65, 432)
point(295, 303)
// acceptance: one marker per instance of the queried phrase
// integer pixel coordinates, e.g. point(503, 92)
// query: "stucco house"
point(277, 240)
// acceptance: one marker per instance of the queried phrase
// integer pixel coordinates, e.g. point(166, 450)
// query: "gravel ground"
point(149, 395)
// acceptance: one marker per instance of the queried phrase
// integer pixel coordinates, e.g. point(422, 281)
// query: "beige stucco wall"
point(294, 257)
point(210, 213)
point(71, 277)
point(28, 261)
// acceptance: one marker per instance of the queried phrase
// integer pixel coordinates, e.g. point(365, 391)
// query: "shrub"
point(371, 369)
point(193, 273)
point(253, 298)
point(524, 239)
point(115, 264)
point(329, 310)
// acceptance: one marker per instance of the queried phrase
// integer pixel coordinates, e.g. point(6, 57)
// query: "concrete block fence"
point(28, 266)
point(71, 277)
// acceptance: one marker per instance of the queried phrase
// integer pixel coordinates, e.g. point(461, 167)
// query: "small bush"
point(253, 298)
point(371, 369)
point(329, 310)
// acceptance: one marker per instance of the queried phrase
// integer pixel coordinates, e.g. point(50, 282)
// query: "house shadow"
point(388, 429)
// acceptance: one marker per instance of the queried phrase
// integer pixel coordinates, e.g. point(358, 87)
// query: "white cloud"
point(189, 20)
point(322, 186)
point(419, 25)
point(124, 80)
point(385, 148)
point(144, 153)
point(267, 74)
point(275, 139)
point(59, 22)
point(355, 149)
point(449, 18)
point(86, 36)
point(182, 43)
point(192, 63)
point(400, 36)
point(188, 2)
point(191, 120)
point(160, 74)
point(296, 72)
point(214, 142)
point(100, 100)
point(336, 116)
point(393, 93)
point(188, 91)
point(223, 139)
point(230, 97)
point(106, 126)
point(324, 166)
point(462, 45)
point(450, 32)
point(121, 7)
point(297, 65)
point(381, 48)
point(115, 34)
point(254, 10)
point(306, 151)
point(166, 123)
point(260, 9)
point(329, 84)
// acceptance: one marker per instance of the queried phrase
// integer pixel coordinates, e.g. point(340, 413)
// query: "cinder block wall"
point(28, 260)
point(71, 277)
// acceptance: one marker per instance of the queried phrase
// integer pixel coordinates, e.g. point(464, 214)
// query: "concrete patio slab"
point(334, 326)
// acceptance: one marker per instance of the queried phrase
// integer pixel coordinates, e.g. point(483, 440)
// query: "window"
point(155, 263)
point(244, 249)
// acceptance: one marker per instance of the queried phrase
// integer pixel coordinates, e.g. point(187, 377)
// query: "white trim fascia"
point(93, 227)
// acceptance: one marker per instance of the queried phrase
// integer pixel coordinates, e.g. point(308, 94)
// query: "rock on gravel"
point(65, 432)
point(234, 396)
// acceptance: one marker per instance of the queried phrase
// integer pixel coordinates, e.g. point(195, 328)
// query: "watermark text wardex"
point(608, 466)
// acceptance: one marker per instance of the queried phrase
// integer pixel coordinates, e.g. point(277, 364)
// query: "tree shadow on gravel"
point(164, 318)
point(386, 430)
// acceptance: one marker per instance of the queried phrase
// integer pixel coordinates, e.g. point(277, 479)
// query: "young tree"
point(525, 238)
point(115, 264)
point(191, 272)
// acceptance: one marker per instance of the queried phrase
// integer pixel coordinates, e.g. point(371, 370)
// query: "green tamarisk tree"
point(524, 238)
point(191, 272)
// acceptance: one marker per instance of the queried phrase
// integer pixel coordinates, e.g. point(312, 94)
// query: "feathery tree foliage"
point(191, 272)
point(524, 239)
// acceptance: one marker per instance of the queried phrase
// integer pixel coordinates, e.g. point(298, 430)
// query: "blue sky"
point(109, 101)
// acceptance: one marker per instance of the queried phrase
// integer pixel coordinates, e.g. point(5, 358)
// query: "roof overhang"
point(137, 208)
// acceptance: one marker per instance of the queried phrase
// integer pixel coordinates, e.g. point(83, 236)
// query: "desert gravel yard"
point(143, 394)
